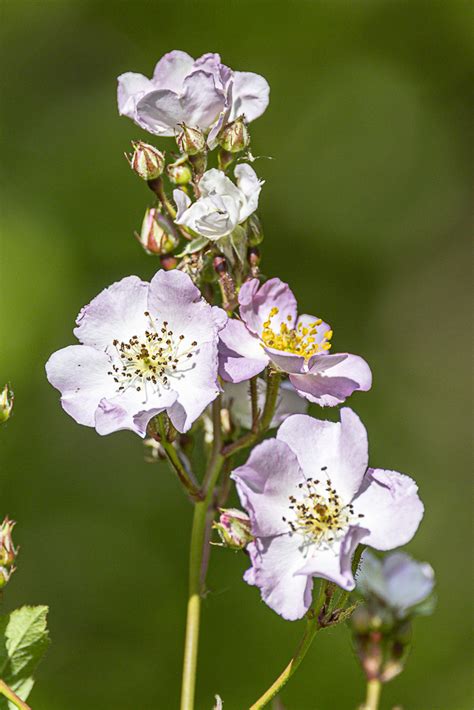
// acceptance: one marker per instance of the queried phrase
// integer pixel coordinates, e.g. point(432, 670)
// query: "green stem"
point(273, 386)
point(312, 627)
point(261, 427)
point(374, 690)
point(157, 186)
point(12, 697)
point(196, 564)
point(172, 455)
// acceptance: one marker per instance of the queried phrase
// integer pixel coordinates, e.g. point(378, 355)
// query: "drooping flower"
point(202, 93)
point(145, 348)
point(269, 331)
point(398, 581)
point(222, 205)
point(311, 500)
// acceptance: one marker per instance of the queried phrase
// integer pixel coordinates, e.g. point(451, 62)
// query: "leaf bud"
point(8, 552)
point(191, 140)
point(146, 160)
point(254, 231)
point(235, 136)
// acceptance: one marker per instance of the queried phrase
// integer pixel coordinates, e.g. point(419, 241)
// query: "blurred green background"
point(366, 211)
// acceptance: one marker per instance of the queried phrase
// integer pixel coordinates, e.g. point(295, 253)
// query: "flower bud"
point(146, 160)
point(191, 140)
point(235, 136)
point(233, 528)
point(6, 403)
point(179, 173)
point(157, 235)
point(254, 230)
point(8, 552)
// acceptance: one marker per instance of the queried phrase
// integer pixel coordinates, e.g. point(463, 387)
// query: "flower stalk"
point(198, 563)
point(374, 691)
point(12, 697)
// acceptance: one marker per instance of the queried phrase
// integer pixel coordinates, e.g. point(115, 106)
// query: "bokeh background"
point(366, 212)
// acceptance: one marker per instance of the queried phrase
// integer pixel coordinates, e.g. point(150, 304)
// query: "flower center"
point(148, 362)
point(319, 516)
point(300, 340)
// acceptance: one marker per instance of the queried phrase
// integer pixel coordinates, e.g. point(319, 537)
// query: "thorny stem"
point(313, 625)
point(172, 455)
point(12, 697)
point(196, 566)
point(374, 690)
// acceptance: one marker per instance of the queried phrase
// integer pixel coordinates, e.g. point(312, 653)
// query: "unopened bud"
point(191, 140)
point(157, 234)
point(233, 528)
point(179, 173)
point(146, 160)
point(168, 262)
point(235, 136)
point(6, 403)
point(8, 552)
point(254, 231)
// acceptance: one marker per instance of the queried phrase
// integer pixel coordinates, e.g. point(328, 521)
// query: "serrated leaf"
point(193, 246)
point(23, 641)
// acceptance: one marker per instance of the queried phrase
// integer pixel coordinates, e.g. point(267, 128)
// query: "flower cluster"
point(210, 348)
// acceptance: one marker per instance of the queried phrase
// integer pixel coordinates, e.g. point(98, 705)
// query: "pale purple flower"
point(222, 205)
point(311, 500)
point(145, 348)
point(202, 93)
point(270, 331)
point(397, 580)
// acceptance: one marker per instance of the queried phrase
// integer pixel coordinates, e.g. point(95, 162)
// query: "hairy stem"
point(12, 697)
point(197, 564)
point(372, 699)
point(312, 627)
point(254, 401)
point(186, 479)
point(157, 187)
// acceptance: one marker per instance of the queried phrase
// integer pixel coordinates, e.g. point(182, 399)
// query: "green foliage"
point(24, 640)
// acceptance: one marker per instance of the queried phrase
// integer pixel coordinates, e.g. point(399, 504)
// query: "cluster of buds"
point(233, 528)
point(8, 552)
point(6, 403)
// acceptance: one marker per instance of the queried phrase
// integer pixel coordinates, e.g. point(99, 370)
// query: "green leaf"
point(193, 246)
point(23, 641)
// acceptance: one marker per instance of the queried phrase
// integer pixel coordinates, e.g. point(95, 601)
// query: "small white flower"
point(222, 205)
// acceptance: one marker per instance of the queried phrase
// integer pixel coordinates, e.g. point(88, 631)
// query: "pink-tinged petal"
point(337, 451)
point(240, 353)
point(182, 202)
point(79, 372)
point(333, 378)
point(128, 411)
point(172, 70)
point(391, 508)
point(306, 320)
point(408, 582)
point(219, 317)
point(160, 112)
point(334, 564)
point(264, 484)
point(285, 361)
point(131, 87)
point(116, 313)
point(256, 304)
point(275, 561)
point(251, 94)
point(197, 390)
point(174, 298)
point(250, 186)
point(202, 100)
